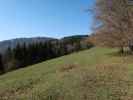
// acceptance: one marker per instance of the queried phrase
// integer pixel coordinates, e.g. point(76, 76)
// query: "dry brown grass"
point(102, 82)
point(107, 82)
point(68, 67)
point(97, 77)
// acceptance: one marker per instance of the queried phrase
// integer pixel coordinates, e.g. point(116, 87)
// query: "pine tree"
point(1, 64)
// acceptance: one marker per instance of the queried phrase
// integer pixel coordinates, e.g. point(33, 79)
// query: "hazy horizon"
point(43, 37)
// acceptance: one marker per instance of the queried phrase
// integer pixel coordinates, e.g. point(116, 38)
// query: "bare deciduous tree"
point(113, 23)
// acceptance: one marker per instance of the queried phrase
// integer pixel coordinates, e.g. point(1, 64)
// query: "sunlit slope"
point(95, 74)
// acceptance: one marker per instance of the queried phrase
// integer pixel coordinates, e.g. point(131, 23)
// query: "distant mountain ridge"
point(74, 38)
point(13, 42)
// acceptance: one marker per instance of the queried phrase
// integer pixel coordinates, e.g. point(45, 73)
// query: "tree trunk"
point(122, 50)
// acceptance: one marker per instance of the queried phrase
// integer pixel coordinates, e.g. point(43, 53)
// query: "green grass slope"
point(94, 74)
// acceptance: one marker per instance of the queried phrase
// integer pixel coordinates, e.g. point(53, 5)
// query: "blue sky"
point(51, 18)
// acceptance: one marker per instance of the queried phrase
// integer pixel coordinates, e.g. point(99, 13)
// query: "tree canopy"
point(113, 24)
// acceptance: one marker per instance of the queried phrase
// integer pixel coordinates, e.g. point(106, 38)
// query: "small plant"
point(68, 67)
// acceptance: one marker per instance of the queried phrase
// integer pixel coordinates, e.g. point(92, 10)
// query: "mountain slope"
point(13, 42)
point(94, 74)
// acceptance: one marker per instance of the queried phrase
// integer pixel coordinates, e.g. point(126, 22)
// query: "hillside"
point(95, 74)
point(23, 52)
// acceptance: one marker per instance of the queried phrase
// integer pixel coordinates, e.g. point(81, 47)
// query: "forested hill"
point(19, 53)
point(78, 37)
point(13, 42)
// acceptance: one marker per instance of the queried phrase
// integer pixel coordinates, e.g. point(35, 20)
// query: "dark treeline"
point(24, 55)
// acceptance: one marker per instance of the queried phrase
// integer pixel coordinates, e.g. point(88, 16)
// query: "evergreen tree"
point(1, 64)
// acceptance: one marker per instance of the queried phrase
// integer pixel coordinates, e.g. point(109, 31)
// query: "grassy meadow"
point(95, 74)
